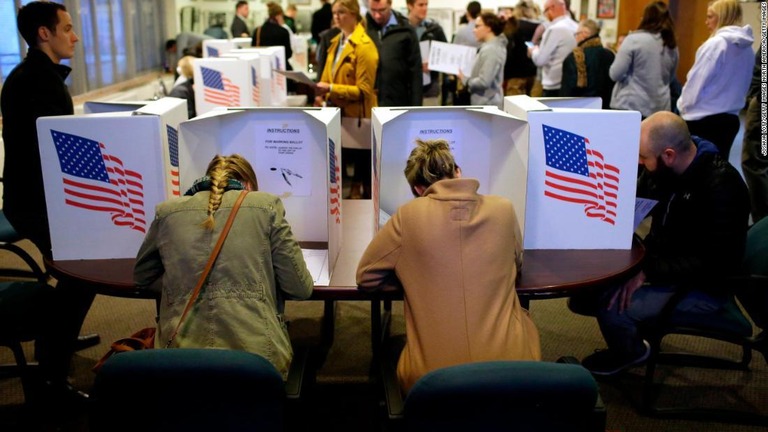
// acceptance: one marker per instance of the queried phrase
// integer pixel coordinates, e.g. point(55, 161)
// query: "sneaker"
point(607, 362)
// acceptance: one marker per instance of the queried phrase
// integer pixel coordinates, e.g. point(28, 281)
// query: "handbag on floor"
point(145, 338)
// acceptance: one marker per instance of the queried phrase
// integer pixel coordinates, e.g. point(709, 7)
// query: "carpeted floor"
point(346, 399)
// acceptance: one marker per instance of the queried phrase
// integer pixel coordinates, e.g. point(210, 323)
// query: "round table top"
point(546, 273)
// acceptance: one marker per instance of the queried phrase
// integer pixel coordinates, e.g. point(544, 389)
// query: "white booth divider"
point(296, 154)
point(582, 174)
point(101, 183)
point(488, 145)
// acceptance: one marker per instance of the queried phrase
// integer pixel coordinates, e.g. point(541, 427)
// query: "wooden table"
point(545, 273)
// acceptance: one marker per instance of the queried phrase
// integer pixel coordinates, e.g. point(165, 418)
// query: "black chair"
point(494, 396)
point(187, 390)
point(729, 324)
point(24, 307)
point(8, 239)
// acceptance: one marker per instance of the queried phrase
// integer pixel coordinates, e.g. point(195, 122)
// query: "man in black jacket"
point(697, 239)
point(321, 20)
point(239, 27)
point(427, 29)
point(35, 88)
point(399, 78)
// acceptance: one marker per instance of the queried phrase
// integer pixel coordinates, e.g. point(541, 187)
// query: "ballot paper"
point(317, 264)
point(450, 58)
point(643, 206)
point(297, 76)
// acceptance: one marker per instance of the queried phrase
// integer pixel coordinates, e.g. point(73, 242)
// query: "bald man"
point(697, 239)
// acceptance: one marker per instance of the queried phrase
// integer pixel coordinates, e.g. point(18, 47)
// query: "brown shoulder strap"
point(209, 265)
point(258, 36)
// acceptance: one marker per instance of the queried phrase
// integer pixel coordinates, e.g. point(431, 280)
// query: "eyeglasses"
point(340, 12)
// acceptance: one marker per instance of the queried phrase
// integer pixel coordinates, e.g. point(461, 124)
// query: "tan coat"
point(353, 77)
point(456, 254)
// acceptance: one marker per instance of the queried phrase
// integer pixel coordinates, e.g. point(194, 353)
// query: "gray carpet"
point(346, 400)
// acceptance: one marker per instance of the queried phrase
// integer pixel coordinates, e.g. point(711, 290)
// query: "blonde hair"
point(221, 170)
point(353, 7)
point(728, 12)
point(429, 162)
point(185, 64)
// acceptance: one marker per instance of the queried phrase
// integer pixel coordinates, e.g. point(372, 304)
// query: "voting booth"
point(296, 155)
point(218, 47)
point(278, 85)
point(582, 173)
point(240, 78)
point(213, 48)
point(102, 183)
point(487, 143)
point(268, 88)
point(172, 111)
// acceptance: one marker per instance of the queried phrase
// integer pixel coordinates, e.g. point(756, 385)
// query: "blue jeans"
point(620, 330)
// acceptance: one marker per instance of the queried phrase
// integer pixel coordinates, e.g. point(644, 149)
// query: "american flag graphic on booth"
point(212, 52)
point(335, 177)
point(173, 153)
point(97, 181)
point(578, 174)
point(255, 90)
point(278, 80)
point(218, 89)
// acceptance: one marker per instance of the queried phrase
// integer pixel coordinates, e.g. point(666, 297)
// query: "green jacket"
point(260, 265)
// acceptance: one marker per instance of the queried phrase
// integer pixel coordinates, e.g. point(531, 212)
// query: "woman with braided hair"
point(260, 265)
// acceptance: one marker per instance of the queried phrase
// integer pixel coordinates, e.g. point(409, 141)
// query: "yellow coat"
point(353, 77)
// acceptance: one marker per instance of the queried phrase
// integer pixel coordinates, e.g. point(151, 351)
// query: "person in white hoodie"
point(717, 84)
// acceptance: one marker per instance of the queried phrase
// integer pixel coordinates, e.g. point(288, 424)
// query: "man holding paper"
point(427, 30)
point(697, 238)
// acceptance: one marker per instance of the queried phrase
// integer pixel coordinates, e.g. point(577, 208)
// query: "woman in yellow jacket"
point(348, 82)
point(349, 75)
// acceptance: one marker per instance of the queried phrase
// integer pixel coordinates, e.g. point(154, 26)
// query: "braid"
point(221, 171)
point(218, 176)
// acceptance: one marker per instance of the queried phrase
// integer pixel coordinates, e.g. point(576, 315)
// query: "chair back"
point(187, 390)
point(503, 396)
point(754, 295)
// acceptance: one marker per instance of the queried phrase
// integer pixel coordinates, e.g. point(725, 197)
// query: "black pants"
point(551, 93)
point(361, 159)
point(720, 129)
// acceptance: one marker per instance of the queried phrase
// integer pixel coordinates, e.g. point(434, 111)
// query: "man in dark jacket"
point(697, 239)
point(35, 88)
point(239, 27)
point(585, 70)
point(399, 78)
point(427, 29)
point(321, 20)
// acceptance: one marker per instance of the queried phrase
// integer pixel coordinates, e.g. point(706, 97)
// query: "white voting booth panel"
point(221, 82)
point(97, 107)
point(572, 102)
point(278, 86)
point(487, 143)
point(242, 42)
point(264, 90)
point(213, 48)
point(296, 155)
point(582, 175)
point(172, 111)
point(102, 183)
